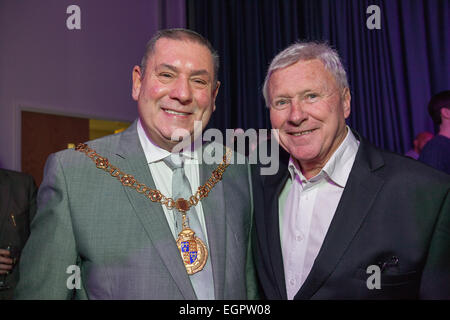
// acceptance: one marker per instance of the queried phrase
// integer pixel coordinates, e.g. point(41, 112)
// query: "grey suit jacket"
point(120, 239)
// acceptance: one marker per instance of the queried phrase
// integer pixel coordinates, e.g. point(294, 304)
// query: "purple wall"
point(48, 68)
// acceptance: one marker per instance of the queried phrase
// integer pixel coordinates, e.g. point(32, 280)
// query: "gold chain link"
point(127, 180)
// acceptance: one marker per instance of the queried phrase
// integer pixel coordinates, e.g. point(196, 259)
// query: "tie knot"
point(174, 161)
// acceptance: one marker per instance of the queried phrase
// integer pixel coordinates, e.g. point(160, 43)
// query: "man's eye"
point(311, 96)
point(165, 75)
point(281, 102)
point(200, 82)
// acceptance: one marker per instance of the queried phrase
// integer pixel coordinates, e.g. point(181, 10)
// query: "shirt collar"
point(338, 167)
point(154, 153)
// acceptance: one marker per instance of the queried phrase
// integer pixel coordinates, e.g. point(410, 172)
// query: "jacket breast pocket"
point(389, 278)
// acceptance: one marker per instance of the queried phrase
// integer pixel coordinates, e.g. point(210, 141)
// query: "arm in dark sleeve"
point(435, 283)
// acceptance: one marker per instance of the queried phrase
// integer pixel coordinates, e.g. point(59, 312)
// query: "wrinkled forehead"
point(303, 73)
point(167, 49)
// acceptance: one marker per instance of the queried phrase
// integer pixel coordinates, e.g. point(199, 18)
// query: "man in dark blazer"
point(342, 219)
point(17, 209)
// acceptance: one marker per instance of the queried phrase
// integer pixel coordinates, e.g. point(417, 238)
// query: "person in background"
point(17, 209)
point(437, 151)
point(342, 219)
point(419, 142)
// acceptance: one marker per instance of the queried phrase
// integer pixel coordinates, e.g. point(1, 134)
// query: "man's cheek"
point(156, 91)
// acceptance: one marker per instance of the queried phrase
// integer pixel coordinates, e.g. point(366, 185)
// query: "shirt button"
point(298, 237)
point(292, 282)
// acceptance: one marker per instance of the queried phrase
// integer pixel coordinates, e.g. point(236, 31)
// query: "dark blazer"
point(392, 206)
point(17, 209)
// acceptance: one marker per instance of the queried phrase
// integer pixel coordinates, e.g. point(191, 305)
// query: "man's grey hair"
point(307, 51)
point(182, 35)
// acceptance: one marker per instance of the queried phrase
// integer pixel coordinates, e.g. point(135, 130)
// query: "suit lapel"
point(359, 194)
point(214, 212)
point(131, 159)
point(273, 184)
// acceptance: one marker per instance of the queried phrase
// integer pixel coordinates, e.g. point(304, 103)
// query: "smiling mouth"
point(177, 113)
point(301, 133)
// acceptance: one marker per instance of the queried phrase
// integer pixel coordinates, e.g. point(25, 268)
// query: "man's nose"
point(181, 91)
point(297, 112)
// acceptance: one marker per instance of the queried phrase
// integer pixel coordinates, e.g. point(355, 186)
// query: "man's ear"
point(215, 92)
point(346, 99)
point(137, 82)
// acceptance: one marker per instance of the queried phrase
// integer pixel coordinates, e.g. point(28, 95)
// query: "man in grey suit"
point(108, 228)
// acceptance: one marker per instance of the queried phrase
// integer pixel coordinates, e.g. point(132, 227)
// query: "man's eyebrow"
point(200, 72)
point(175, 69)
point(168, 66)
point(285, 95)
point(282, 96)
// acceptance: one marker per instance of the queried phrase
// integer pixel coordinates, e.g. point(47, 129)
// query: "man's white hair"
point(307, 51)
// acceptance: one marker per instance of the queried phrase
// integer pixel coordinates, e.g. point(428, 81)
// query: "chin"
point(169, 131)
point(303, 155)
point(179, 138)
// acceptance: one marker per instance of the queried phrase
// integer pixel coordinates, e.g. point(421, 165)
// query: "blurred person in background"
point(17, 209)
point(437, 151)
point(419, 142)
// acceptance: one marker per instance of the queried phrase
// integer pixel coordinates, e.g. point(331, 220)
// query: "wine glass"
point(3, 277)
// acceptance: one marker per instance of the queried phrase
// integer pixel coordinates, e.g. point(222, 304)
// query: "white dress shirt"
point(306, 214)
point(162, 176)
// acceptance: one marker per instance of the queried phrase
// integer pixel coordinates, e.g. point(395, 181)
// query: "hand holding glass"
point(7, 262)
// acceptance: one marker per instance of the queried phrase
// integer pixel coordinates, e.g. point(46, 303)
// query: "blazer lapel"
point(214, 212)
point(273, 184)
point(359, 194)
point(131, 159)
